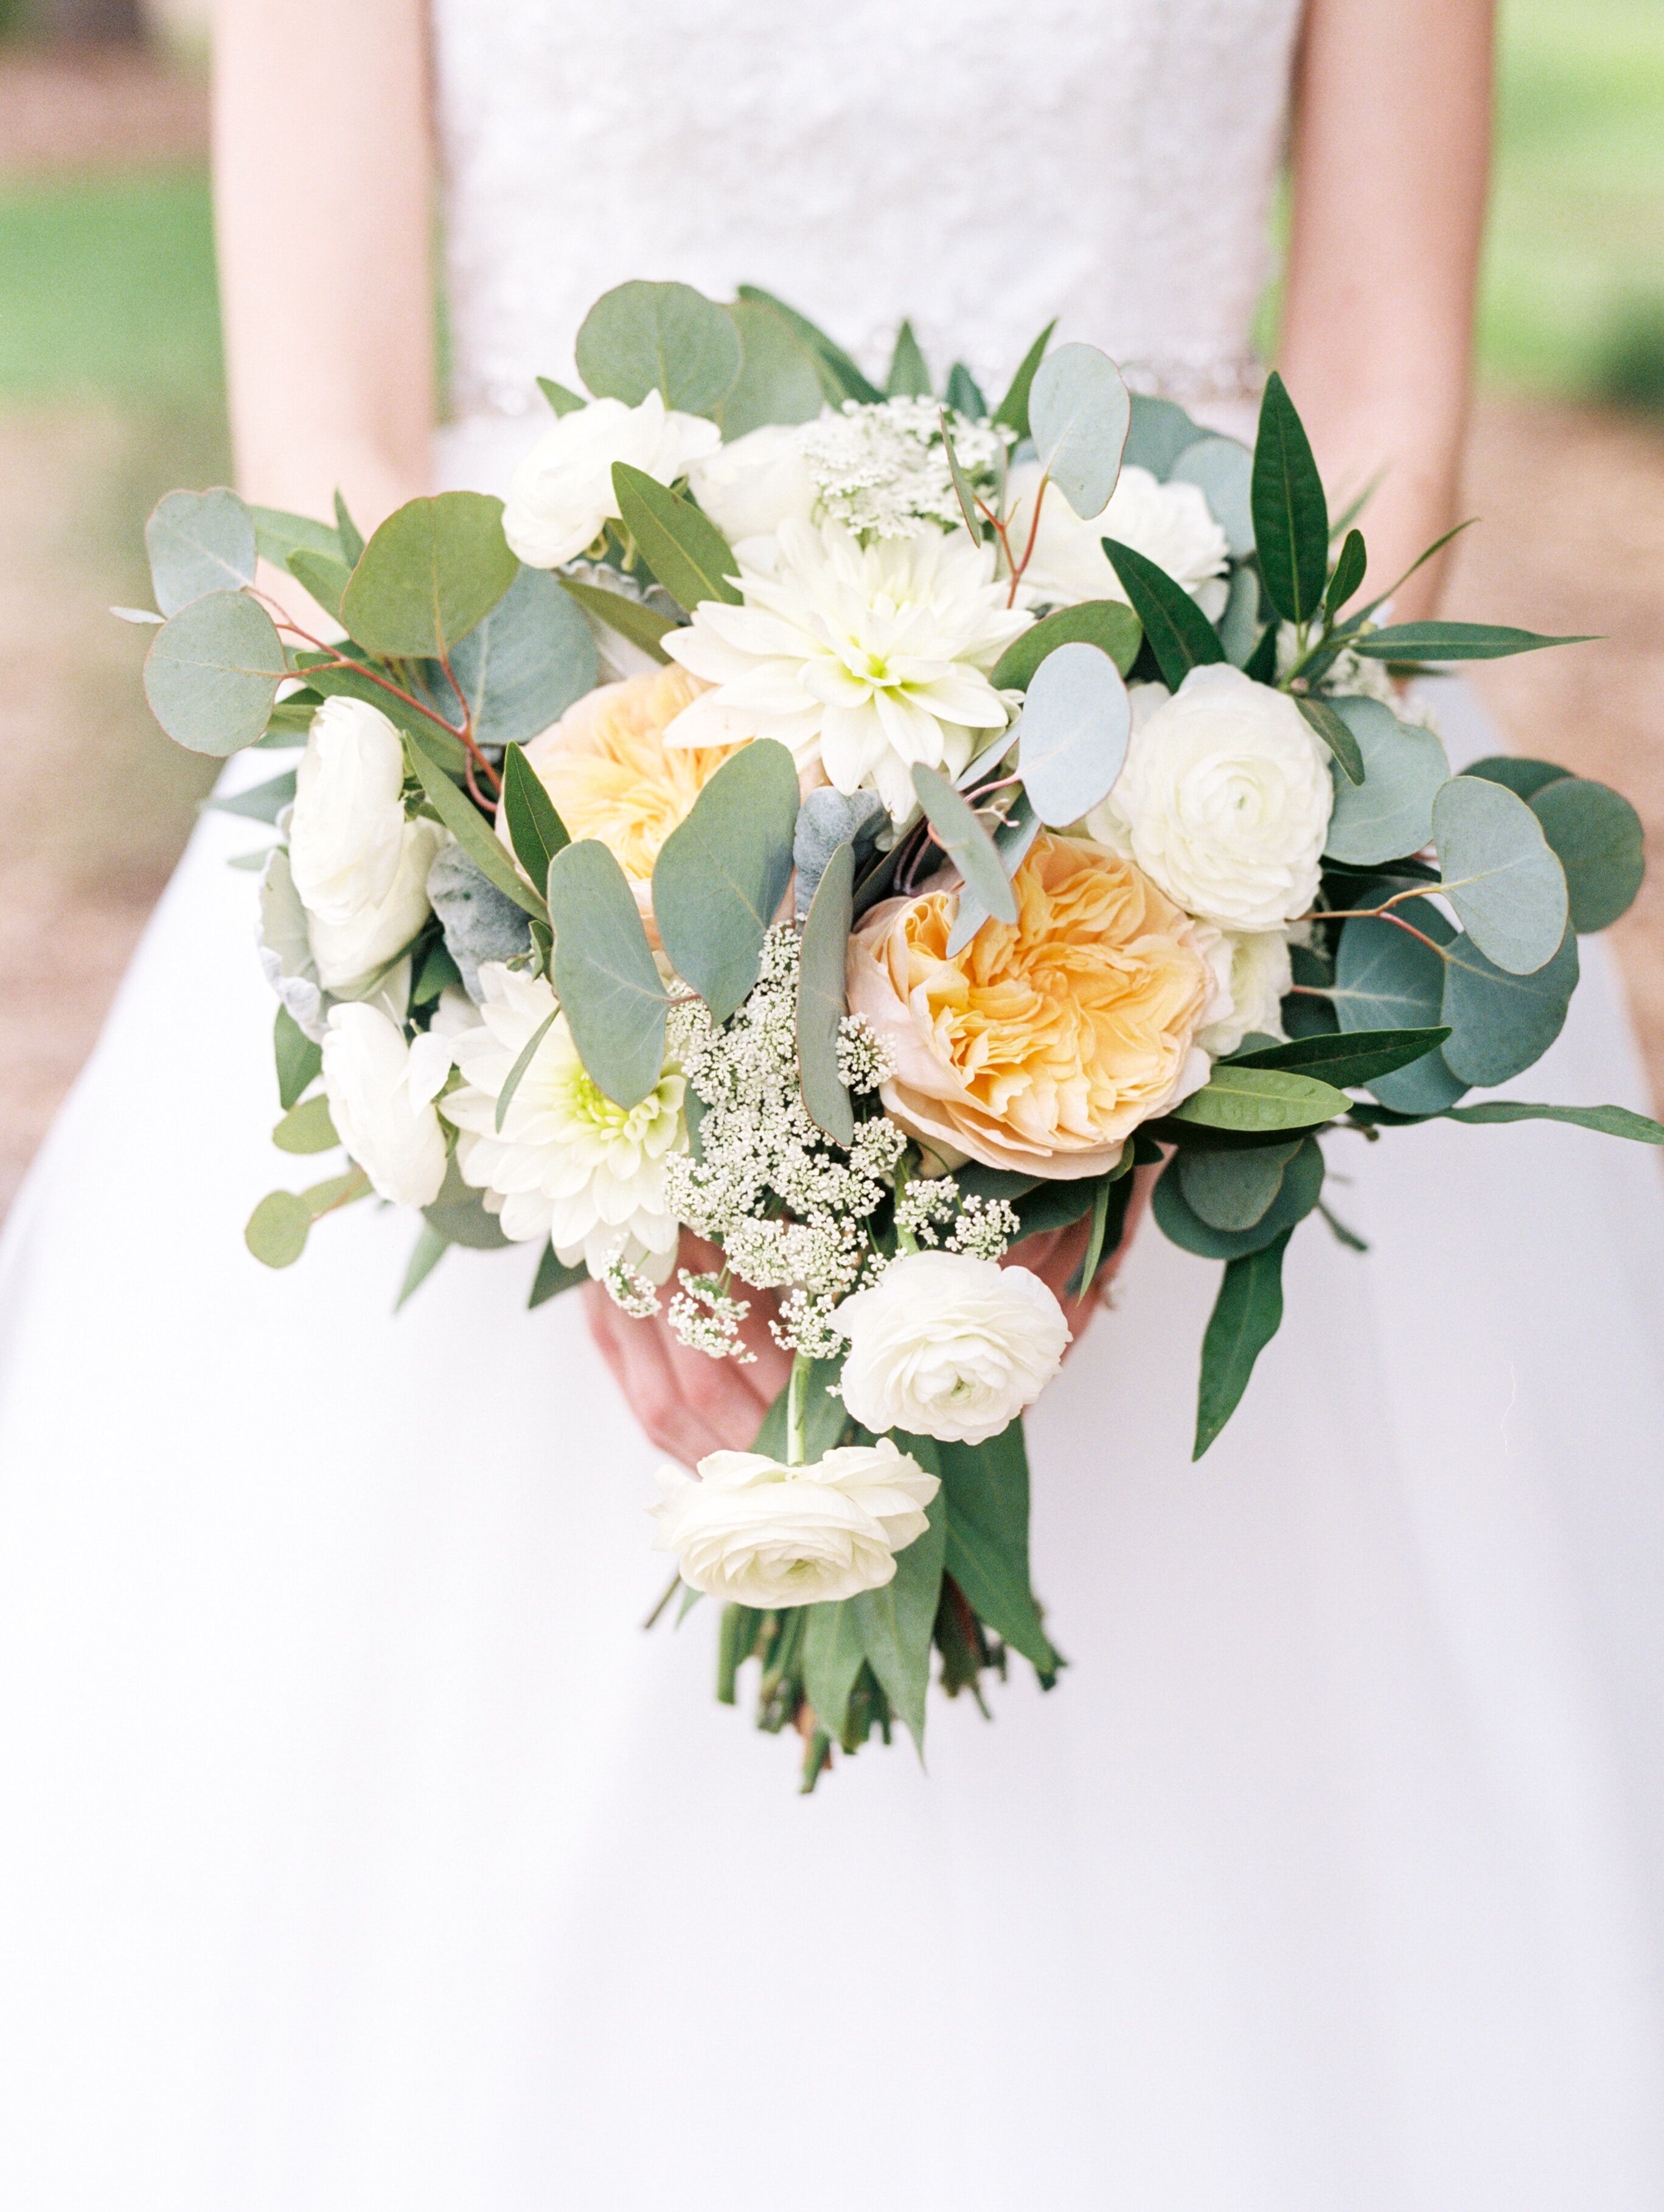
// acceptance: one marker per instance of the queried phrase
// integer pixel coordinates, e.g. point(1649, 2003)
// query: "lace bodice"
point(978, 166)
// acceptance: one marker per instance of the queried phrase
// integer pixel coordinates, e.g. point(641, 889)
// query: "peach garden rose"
point(1041, 1045)
point(610, 774)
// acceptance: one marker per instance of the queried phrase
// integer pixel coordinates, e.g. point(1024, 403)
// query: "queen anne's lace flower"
point(865, 658)
point(789, 1208)
point(882, 470)
point(568, 1163)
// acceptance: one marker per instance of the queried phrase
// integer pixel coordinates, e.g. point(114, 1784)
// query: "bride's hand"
point(691, 1404)
point(1056, 1254)
point(688, 1403)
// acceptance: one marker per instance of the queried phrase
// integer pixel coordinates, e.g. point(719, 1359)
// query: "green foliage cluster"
point(1442, 955)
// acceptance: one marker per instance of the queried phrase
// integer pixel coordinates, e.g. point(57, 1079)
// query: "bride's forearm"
point(323, 211)
point(1391, 154)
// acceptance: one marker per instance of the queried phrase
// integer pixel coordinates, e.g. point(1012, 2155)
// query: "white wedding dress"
point(358, 1851)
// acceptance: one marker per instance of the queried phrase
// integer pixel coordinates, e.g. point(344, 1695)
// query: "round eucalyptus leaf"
point(198, 542)
point(1500, 874)
point(1501, 1023)
point(1598, 838)
point(532, 658)
point(722, 873)
point(1391, 813)
point(1300, 1187)
point(605, 976)
point(433, 569)
point(1072, 740)
point(1233, 1189)
point(666, 338)
point(1524, 778)
point(212, 672)
point(1078, 413)
point(1428, 1087)
point(780, 378)
point(1110, 624)
point(1158, 433)
point(459, 1214)
point(1222, 470)
point(1386, 979)
point(278, 1228)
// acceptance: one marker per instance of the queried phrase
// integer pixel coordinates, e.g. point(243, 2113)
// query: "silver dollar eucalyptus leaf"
point(1078, 412)
point(1072, 740)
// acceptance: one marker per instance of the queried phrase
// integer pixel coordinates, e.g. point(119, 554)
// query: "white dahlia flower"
point(567, 1164)
point(381, 1093)
point(1170, 524)
point(946, 1345)
point(560, 496)
point(358, 866)
point(866, 660)
point(753, 1532)
point(1224, 799)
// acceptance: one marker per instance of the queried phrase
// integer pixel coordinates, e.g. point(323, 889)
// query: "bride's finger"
point(635, 1353)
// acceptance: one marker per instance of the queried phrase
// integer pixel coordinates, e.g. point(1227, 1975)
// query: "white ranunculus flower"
point(946, 1345)
point(866, 660)
point(381, 1093)
point(560, 495)
point(1253, 973)
point(568, 1163)
point(753, 1532)
point(1170, 524)
point(358, 867)
point(749, 488)
point(1223, 801)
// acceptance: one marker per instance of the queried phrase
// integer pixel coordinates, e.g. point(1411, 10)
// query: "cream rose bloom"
point(560, 496)
point(607, 768)
point(1043, 1043)
point(381, 1093)
point(1224, 800)
point(1170, 524)
point(753, 1532)
point(750, 487)
point(1255, 972)
point(946, 1345)
point(358, 867)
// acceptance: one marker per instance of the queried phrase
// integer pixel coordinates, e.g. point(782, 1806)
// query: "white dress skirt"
point(360, 1853)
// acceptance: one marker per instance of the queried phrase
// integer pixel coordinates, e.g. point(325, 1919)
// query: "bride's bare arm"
point(1392, 146)
point(323, 185)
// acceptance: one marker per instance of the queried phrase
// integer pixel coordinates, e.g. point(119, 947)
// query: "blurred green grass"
point(1572, 299)
point(106, 286)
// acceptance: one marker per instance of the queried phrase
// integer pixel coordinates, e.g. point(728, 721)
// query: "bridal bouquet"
point(863, 829)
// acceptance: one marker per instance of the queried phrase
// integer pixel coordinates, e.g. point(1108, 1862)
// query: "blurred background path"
point(110, 394)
